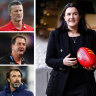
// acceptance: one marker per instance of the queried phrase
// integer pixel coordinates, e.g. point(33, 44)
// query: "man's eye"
point(14, 76)
point(19, 76)
point(19, 43)
point(16, 11)
point(24, 44)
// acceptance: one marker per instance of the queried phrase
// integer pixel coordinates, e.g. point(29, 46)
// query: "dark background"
point(5, 45)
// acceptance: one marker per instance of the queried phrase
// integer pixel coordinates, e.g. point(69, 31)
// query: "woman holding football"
point(68, 77)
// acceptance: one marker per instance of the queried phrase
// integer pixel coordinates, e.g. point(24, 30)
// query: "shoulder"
point(90, 31)
point(29, 28)
point(58, 32)
point(30, 93)
point(2, 93)
point(5, 27)
point(4, 60)
point(54, 33)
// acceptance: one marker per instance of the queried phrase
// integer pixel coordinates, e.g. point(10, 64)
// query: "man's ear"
point(8, 80)
point(9, 13)
point(12, 46)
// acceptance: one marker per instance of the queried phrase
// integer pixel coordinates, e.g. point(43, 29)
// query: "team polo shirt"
point(11, 27)
point(8, 59)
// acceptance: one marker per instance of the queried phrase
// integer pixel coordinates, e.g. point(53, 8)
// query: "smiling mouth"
point(72, 21)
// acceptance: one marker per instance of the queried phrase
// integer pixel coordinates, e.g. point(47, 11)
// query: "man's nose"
point(19, 12)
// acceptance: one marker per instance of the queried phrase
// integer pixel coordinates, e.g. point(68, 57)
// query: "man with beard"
point(18, 48)
point(15, 87)
point(15, 9)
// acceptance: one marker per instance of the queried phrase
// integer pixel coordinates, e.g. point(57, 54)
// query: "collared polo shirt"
point(8, 59)
point(11, 27)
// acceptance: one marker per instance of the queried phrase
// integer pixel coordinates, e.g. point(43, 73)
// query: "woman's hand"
point(90, 68)
point(69, 61)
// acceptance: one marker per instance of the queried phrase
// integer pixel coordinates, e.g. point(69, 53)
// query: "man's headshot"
point(18, 46)
point(21, 50)
point(15, 86)
point(15, 10)
point(14, 78)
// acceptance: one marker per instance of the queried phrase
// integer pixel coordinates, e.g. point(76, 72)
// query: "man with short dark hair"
point(15, 87)
point(15, 9)
point(18, 48)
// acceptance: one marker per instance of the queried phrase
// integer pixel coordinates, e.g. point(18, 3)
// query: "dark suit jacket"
point(58, 48)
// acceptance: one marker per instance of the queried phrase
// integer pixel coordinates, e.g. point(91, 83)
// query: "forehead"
point(14, 73)
point(71, 9)
point(20, 39)
point(15, 7)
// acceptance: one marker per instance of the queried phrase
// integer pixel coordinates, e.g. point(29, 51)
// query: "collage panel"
point(17, 15)
point(17, 48)
point(17, 80)
point(62, 27)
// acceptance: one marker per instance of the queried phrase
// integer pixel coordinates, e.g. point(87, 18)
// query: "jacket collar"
point(12, 61)
point(7, 88)
point(14, 28)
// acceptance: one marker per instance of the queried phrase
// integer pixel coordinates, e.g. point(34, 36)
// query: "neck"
point(16, 58)
point(74, 29)
point(17, 24)
point(73, 33)
point(12, 89)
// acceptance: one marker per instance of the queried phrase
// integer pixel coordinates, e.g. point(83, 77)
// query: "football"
point(86, 57)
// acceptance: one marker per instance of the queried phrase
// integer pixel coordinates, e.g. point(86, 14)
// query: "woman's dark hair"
point(62, 23)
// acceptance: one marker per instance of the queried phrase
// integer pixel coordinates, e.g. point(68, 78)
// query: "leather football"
point(86, 57)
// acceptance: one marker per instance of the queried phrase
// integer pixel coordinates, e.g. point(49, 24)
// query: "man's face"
point(16, 13)
point(15, 79)
point(19, 47)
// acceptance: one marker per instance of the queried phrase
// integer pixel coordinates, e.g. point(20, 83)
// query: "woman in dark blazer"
point(68, 77)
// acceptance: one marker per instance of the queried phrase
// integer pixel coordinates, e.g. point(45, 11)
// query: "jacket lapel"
point(84, 41)
point(64, 43)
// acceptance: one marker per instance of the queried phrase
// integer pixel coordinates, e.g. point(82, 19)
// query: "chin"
point(21, 54)
point(72, 25)
point(18, 19)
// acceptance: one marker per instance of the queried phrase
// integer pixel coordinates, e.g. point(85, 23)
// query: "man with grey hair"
point(15, 9)
point(15, 87)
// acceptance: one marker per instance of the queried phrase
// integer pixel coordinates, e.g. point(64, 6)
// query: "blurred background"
point(28, 76)
point(28, 6)
point(47, 14)
point(5, 43)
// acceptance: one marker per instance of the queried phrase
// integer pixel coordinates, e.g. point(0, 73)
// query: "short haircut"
point(8, 73)
point(13, 40)
point(14, 2)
